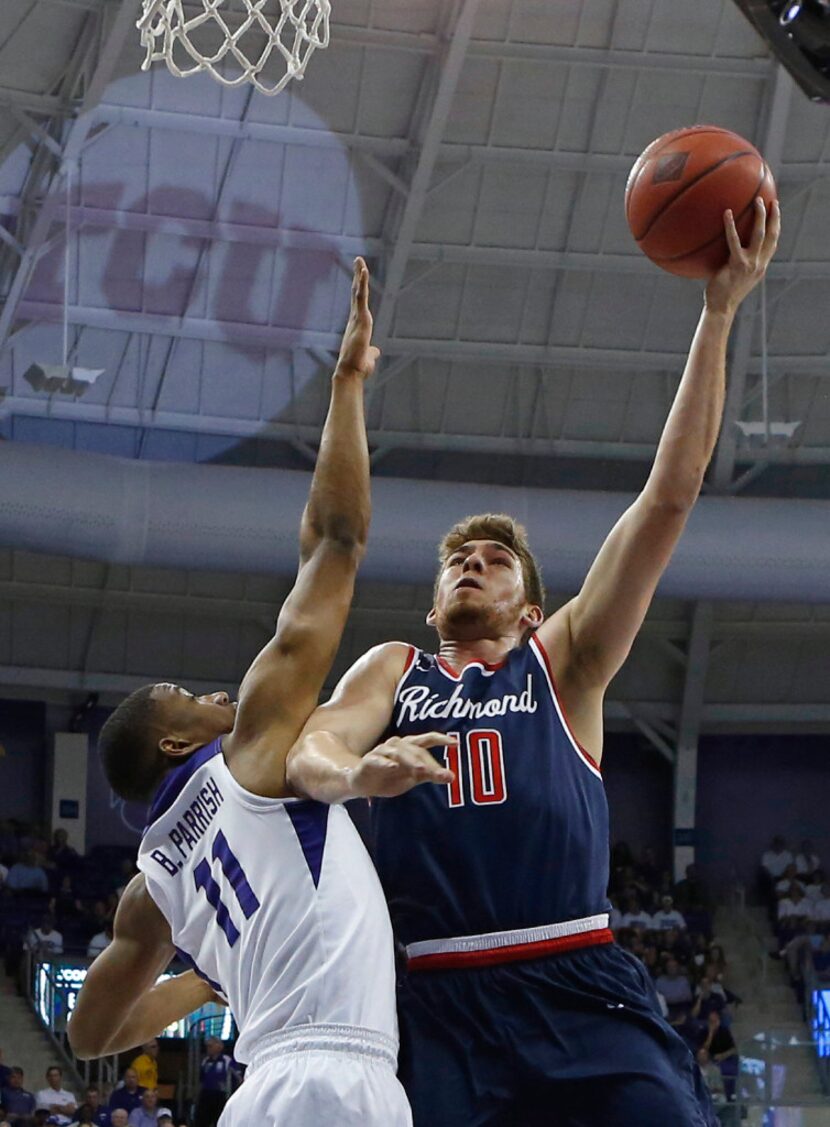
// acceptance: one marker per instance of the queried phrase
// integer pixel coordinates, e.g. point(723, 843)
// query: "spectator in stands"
point(721, 1046)
point(634, 916)
point(667, 916)
point(19, 1104)
point(99, 942)
point(215, 1075)
point(128, 1094)
point(97, 919)
point(65, 904)
point(691, 894)
point(146, 1114)
point(3, 1121)
point(61, 857)
point(146, 1065)
point(787, 880)
point(820, 906)
point(793, 912)
point(45, 940)
point(707, 1000)
point(674, 942)
point(686, 1027)
point(815, 884)
point(27, 875)
point(4, 872)
point(119, 1117)
point(648, 869)
point(674, 985)
point(807, 860)
point(92, 1110)
point(775, 860)
point(58, 1101)
point(712, 1077)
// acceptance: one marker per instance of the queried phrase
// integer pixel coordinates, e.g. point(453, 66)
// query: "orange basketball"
point(680, 187)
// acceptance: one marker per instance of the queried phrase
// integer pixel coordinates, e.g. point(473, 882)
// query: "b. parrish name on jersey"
point(418, 703)
point(185, 835)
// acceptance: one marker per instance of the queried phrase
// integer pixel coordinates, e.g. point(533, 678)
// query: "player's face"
point(197, 720)
point(480, 594)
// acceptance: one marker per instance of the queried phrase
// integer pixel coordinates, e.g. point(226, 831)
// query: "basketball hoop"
point(259, 33)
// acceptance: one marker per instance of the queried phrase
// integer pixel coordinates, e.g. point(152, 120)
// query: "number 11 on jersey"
point(482, 761)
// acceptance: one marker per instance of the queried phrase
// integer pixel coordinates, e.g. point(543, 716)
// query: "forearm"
point(321, 767)
point(692, 427)
point(339, 504)
point(159, 1007)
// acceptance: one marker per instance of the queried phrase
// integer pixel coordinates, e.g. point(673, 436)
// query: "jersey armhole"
point(544, 660)
point(408, 664)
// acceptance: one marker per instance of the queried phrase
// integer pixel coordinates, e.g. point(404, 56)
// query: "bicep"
point(604, 618)
point(140, 950)
point(360, 708)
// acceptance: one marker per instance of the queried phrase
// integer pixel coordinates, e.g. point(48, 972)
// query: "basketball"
point(680, 187)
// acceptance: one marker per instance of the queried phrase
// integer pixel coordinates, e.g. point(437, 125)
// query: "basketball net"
point(269, 30)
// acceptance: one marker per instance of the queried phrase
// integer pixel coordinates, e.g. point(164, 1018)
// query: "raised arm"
point(283, 684)
point(337, 756)
point(597, 628)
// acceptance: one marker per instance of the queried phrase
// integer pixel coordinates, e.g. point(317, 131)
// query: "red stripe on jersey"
point(549, 668)
point(518, 952)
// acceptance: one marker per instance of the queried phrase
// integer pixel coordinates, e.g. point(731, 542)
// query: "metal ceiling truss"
point(275, 336)
point(453, 153)
point(46, 180)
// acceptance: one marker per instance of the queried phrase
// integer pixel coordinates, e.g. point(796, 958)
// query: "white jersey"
point(275, 902)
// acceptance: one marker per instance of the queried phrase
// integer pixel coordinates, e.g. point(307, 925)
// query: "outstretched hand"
point(747, 265)
point(357, 353)
point(403, 762)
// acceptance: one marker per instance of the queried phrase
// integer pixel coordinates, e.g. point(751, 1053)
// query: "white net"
point(264, 42)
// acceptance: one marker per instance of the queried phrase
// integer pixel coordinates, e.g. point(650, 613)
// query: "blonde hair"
point(504, 530)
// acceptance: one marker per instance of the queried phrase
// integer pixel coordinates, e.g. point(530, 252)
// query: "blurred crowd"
point(668, 926)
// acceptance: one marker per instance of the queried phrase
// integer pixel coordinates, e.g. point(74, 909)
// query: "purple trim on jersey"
point(310, 820)
point(177, 779)
point(191, 964)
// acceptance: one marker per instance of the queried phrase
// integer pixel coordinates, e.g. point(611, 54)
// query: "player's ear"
point(533, 617)
point(174, 747)
point(431, 617)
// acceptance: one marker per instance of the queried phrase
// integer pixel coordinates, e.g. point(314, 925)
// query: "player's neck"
point(490, 651)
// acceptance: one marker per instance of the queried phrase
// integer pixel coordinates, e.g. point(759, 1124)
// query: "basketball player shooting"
point(272, 902)
point(518, 1008)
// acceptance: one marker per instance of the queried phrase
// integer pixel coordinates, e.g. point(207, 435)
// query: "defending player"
point(518, 1008)
point(273, 902)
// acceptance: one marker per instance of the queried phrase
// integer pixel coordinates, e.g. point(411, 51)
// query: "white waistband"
point(328, 1039)
point(492, 940)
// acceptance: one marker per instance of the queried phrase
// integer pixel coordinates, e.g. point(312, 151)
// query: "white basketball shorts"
point(321, 1076)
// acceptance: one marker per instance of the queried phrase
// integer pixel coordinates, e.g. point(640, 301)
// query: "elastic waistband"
point(509, 946)
point(353, 1039)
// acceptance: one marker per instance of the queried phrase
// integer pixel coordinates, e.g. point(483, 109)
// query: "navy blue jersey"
point(520, 839)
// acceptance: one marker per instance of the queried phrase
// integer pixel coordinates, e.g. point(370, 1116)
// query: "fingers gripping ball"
point(679, 189)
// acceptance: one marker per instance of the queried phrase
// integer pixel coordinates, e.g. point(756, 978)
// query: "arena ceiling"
point(476, 153)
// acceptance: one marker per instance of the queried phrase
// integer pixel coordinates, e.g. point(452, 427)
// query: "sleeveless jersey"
point(274, 902)
point(520, 839)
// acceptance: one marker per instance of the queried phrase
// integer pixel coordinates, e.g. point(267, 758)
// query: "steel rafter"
point(75, 136)
point(430, 123)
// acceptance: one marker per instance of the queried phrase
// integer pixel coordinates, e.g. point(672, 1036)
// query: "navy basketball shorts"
point(570, 1040)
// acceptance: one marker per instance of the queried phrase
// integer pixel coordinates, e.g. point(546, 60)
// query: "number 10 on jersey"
point(478, 767)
